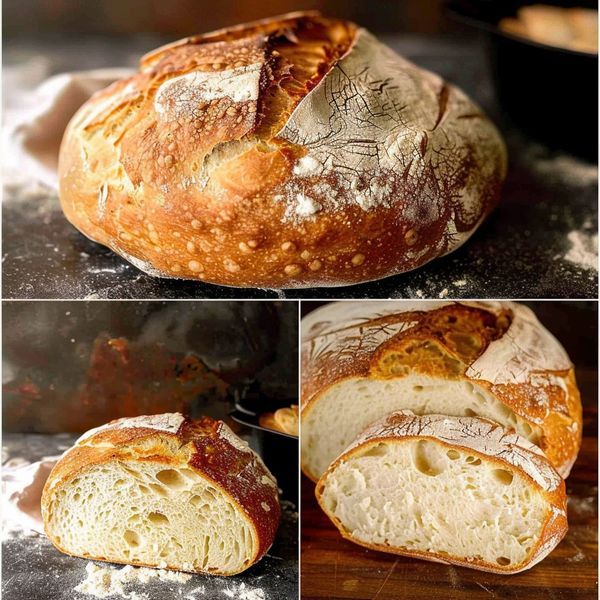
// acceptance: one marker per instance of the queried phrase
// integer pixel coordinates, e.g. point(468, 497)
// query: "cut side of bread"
point(364, 360)
point(346, 409)
point(456, 490)
point(165, 492)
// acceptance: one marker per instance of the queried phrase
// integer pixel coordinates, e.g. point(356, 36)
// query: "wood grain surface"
point(335, 568)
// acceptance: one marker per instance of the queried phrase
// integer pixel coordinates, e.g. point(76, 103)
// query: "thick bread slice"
point(364, 360)
point(163, 491)
point(455, 490)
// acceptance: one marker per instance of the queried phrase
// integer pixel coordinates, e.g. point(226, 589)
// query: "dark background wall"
point(183, 17)
point(69, 366)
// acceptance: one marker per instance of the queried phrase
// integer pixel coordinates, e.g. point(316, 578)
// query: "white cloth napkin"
point(22, 486)
point(33, 130)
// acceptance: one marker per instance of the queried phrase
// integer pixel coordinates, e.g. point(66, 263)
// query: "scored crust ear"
point(262, 27)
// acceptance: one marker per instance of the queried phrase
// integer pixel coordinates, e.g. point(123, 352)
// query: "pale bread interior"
point(343, 411)
point(152, 514)
point(422, 495)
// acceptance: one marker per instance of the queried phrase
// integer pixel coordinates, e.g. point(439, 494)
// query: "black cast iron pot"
point(550, 93)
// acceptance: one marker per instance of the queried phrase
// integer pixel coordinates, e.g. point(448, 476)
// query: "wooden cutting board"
point(335, 568)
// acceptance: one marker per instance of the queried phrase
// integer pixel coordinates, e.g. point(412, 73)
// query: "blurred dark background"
point(70, 366)
point(182, 17)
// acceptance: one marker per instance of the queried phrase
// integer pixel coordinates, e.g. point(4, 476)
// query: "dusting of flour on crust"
point(480, 435)
point(169, 422)
point(379, 131)
point(178, 96)
point(228, 435)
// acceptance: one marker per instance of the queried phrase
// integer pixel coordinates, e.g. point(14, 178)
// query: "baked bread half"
point(292, 152)
point(455, 490)
point(364, 360)
point(163, 491)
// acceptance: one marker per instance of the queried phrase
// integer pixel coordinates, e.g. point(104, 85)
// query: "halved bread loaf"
point(364, 360)
point(163, 491)
point(456, 490)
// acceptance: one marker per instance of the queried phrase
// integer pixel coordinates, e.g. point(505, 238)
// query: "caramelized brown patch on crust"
point(448, 339)
point(239, 473)
point(444, 340)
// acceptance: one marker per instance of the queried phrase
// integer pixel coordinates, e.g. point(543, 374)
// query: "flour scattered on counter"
point(192, 595)
point(242, 592)
point(561, 167)
point(576, 557)
point(584, 249)
point(583, 507)
point(102, 582)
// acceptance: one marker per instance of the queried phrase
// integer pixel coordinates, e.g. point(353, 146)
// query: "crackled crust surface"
point(498, 345)
point(206, 446)
point(292, 152)
point(485, 439)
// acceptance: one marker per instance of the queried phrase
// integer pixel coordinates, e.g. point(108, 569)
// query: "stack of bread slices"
point(440, 430)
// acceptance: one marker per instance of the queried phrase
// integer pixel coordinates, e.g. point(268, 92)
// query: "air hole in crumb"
point(470, 413)
point(417, 388)
point(159, 489)
point(502, 560)
point(171, 478)
point(158, 518)
point(377, 450)
point(503, 476)
point(422, 462)
point(452, 454)
point(132, 538)
point(474, 462)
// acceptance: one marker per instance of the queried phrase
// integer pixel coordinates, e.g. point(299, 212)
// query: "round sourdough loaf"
point(364, 360)
point(457, 490)
point(163, 491)
point(292, 152)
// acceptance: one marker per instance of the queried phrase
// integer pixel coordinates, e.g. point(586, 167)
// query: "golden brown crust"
point(201, 445)
point(500, 346)
point(497, 446)
point(192, 167)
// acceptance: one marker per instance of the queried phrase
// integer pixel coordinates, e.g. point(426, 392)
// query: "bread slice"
point(364, 360)
point(163, 491)
point(455, 490)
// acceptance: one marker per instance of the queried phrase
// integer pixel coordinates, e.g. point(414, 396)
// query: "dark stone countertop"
point(549, 204)
point(33, 569)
